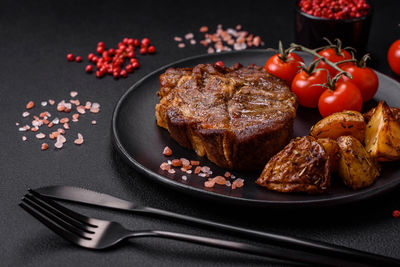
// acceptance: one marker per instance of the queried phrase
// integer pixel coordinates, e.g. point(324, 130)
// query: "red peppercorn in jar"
point(347, 20)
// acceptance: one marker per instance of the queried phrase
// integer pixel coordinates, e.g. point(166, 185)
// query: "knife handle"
point(282, 240)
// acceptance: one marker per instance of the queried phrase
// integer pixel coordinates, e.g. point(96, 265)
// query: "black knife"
point(86, 196)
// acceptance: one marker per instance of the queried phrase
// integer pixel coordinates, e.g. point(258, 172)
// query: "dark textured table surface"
point(35, 38)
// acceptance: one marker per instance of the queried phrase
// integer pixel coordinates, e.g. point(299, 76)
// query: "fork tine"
point(50, 224)
point(62, 221)
point(72, 214)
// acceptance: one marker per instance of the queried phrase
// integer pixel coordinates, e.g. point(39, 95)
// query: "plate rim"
point(187, 189)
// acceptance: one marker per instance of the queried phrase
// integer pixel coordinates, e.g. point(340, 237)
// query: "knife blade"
point(86, 196)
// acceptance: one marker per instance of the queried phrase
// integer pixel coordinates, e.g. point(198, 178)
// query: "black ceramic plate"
point(138, 138)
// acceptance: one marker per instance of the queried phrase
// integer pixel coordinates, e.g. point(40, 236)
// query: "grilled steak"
point(302, 166)
point(238, 117)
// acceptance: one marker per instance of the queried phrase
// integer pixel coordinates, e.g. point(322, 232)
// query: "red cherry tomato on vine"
point(393, 57)
point(346, 96)
point(364, 78)
point(306, 89)
point(331, 55)
point(286, 70)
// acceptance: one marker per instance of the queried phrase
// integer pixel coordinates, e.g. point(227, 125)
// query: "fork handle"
point(277, 253)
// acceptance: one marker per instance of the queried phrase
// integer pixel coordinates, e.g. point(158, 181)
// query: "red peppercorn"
point(129, 68)
point(78, 59)
point(132, 60)
point(70, 57)
point(131, 54)
point(115, 75)
point(130, 41)
point(121, 46)
point(143, 50)
point(111, 51)
point(102, 44)
point(135, 65)
point(396, 213)
point(89, 68)
point(100, 49)
point(220, 64)
point(95, 59)
point(123, 73)
point(145, 42)
point(90, 56)
point(99, 74)
point(136, 42)
point(151, 49)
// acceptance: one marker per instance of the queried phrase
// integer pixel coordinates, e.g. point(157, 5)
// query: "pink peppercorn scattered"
point(70, 57)
point(89, 68)
point(118, 61)
point(151, 49)
point(220, 64)
point(396, 213)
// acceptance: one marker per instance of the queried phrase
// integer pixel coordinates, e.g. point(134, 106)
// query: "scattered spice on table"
point(221, 40)
point(186, 165)
point(60, 121)
point(116, 61)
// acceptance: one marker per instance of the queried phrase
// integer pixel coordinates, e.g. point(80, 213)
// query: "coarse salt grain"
point(189, 36)
point(25, 114)
point(43, 103)
point(24, 138)
point(73, 93)
point(51, 102)
point(61, 139)
point(193, 42)
point(40, 136)
point(17, 124)
point(203, 29)
point(56, 120)
point(189, 171)
point(184, 177)
point(165, 166)
point(167, 151)
point(79, 141)
point(181, 45)
point(81, 109)
point(58, 145)
point(66, 126)
point(94, 122)
point(172, 171)
point(178, 39)
point(169, 162)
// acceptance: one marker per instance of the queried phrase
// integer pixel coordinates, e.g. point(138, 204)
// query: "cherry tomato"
point(393, 57)
point(331, 55)
point(286, 70)
point(306, 89)
point(346, 96)
point(364, 78)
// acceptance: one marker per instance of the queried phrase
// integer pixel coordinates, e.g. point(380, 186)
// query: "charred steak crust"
point(302, 166)
point(238, 117)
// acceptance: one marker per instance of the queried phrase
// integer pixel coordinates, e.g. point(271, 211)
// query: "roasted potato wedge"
point(382, 137)
point(331, 147)
point(395, 113)
point(340, 124)
point(356, 167)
